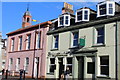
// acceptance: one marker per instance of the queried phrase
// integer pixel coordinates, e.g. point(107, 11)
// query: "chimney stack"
point(68, 8)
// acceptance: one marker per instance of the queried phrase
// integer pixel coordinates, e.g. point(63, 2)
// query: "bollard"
point(6, 76)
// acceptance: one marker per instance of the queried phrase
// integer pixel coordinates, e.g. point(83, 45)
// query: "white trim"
point(107, 8)
point(83, 12)
point(64, 20)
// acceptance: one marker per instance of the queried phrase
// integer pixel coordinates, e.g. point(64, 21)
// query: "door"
point(90, 62)
point(80, 68)
point(61, 67)
point(36, 67)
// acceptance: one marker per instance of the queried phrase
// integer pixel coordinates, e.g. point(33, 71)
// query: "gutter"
point(84, 25)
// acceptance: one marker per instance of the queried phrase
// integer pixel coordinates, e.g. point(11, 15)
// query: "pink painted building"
point(27, 48)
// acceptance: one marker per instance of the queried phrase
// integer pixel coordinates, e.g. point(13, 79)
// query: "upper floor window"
point(20, 43)
point(38, 35)
point(64, 20)
point(82, 15)
point(55, 41)
point(28, 41)
point(99, 35)
point(106, 9)
point(12, 44)
point(75, 37)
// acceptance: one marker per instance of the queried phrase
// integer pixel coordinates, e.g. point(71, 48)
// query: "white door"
point(36, 61)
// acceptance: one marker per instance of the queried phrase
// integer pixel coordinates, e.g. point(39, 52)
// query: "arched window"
point(28, 19)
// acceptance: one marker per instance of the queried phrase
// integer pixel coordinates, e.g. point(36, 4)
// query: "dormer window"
point(82, 15)
point(64, 20)
point(106, 9)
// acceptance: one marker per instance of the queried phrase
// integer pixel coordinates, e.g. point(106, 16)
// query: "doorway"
point(61, 66)
point(80, 68)
point(36, 67)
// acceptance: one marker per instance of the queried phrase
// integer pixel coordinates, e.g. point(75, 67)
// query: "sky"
point(11, 12)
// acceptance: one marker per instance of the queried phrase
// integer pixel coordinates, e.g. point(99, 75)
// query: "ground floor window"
point(52, 65)
point(104, 65)
point(91, 67)
point(69, 64)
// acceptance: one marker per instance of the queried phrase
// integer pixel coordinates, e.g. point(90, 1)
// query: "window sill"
point(99, 45)
point(103, 76)
point(50, 73)
point(54, 49)
point(74, 47)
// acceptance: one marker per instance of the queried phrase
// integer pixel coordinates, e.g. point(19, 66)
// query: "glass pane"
point(52, 60)
point(102, 9)
point(79, 15)
point(105, 70)
point(104, 60)
point(69, 60)
point(110, 10)
point(52, 68)
point(91, 68)
point(100, 35)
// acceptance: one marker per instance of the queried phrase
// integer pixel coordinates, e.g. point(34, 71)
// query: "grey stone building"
point(87, 42)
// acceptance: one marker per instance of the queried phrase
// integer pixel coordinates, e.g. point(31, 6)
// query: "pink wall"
point(41, 53)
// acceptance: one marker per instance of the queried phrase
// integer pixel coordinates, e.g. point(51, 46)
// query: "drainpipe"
point(116, 50)
point(34, 55)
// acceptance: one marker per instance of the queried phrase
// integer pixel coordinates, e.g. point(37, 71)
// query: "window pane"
point(79, 15)
point(69, 60)
point(56, 38)
point(52, 60)
point(100, 35)
point(104, 60)
point(52, 68)
point(75, 39)
point(91, 68)
point(102, 9)
point(110, 10)
point(104, 64)
point(61, 20)
point(105, 70)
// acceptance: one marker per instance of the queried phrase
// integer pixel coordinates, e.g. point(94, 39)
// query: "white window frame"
point(99, 67)
point(26, 66)
point(107, 8)
point(50, 64)
point(53, 41)
point(69, 64)
point(95, 33)
point(64, 17)
point(28, 42)
point(12, 44)
point(17, 64)
point(10, 63)
point(73, 37)
point(20, 43)
point(38, 40)
point(83, 14)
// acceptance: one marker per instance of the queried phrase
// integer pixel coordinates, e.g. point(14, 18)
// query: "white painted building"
point(87, 42)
